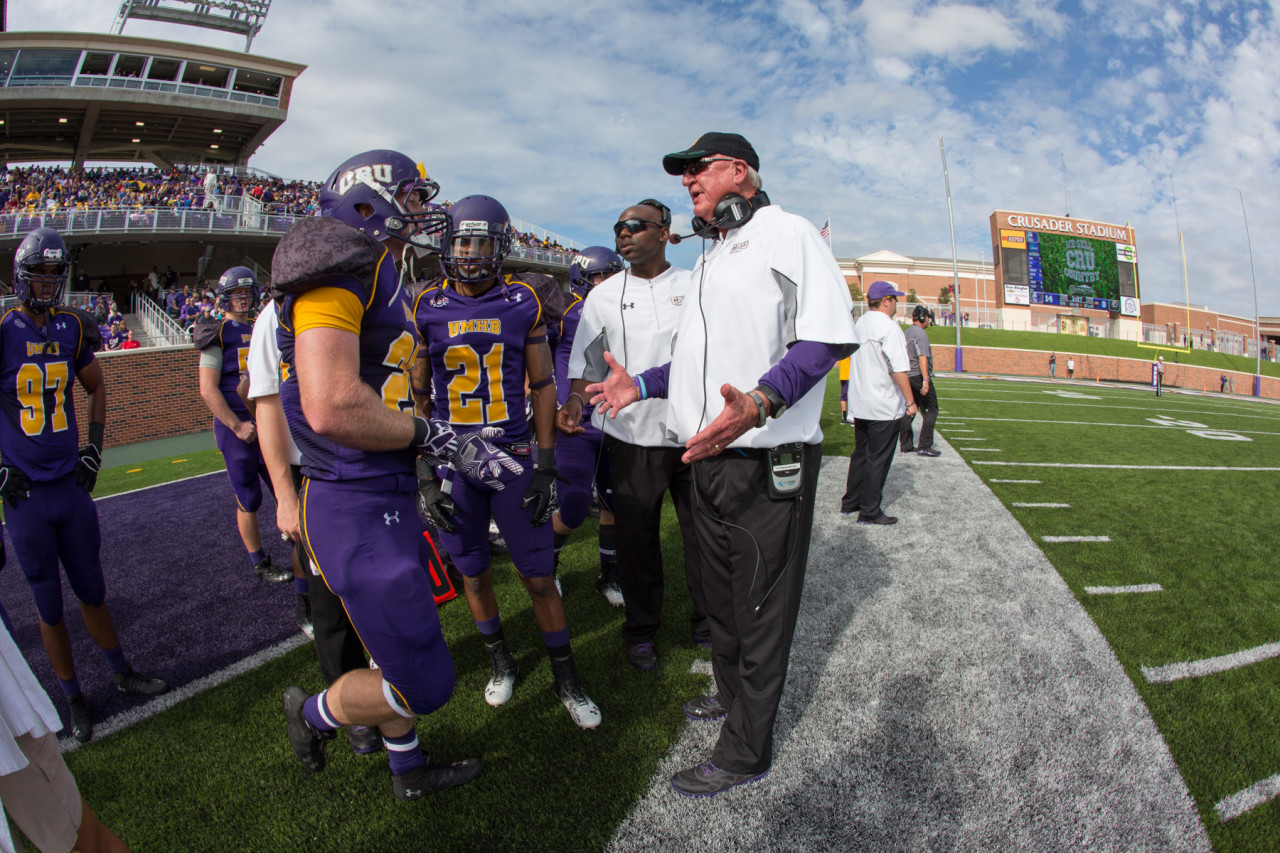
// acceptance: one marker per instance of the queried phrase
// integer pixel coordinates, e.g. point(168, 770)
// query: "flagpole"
point(955, 263)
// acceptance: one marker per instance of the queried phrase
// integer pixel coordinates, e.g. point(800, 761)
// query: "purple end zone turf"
point(180, 587)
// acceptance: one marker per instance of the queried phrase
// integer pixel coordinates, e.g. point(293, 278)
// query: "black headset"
point(732, 211)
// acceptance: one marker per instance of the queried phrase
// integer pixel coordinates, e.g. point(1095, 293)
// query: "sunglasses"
point(633, 226)
point(697, 167)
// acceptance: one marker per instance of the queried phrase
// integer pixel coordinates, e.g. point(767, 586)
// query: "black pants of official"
point(928, 406)
point(338, 648)
point(641, 476)
point(753, 555)
point(874, 444)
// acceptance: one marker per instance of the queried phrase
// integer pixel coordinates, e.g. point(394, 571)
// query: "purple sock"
point(116, 659)
point(70, 686)
point(490, 627)
point(316, 710)
point(257, 556)
point(557, 642)
point(403, 753)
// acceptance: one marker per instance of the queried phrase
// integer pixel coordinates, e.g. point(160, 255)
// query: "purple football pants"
point(366, 540)
point(245, 468)
point(582, 463)
point(532, 548)
point(58, 522)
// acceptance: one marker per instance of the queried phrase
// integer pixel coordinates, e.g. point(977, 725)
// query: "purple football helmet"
point(237, 278)
point(41, 246)
point(476, 239)
point(377, 179)
point(591, 266)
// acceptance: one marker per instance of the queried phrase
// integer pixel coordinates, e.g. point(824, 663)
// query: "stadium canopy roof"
point(91, 97)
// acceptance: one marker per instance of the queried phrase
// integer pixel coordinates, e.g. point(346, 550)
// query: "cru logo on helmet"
point(375, 173)
point(54, 255)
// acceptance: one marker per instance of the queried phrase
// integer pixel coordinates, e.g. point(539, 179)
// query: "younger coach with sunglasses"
point(632, 315)
point(767, 318)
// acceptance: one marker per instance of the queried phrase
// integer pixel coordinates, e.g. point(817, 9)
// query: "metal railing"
point(161, 329)
point(145, 221)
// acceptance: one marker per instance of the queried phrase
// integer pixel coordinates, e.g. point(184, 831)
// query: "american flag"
point(825, 231)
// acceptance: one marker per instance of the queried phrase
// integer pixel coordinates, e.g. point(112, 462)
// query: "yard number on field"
point(1199, 429)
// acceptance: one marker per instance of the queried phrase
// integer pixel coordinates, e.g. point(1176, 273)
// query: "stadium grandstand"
point(137, 151)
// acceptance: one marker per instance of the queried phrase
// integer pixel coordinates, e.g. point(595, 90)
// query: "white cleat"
point(502, 683)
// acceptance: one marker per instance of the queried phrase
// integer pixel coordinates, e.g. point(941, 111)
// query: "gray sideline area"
point(946, 692)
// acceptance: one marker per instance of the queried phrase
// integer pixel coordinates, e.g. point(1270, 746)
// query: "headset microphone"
point(730, 212)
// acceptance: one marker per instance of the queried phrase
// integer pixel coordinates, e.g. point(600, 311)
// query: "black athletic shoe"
point(705, 708)
point(81, 725)
point(929, 451)
point(707, 780)
point(906, 450)
point(879, 519)
point(420, 781)
point(138, 684)
point(308, 744)
point(364, 740)
point(642, 657)
point(271, 574)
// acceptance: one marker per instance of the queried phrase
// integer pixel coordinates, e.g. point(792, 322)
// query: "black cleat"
point(879, 519)
point(81, 725)
point(308, 744)
point(420, 781)
point(138, 684)
point(364, 740)
point(271, 574)
point(641, 656)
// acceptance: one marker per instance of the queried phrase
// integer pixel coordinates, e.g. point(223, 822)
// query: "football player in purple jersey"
point(347, 343)
point(45, 479)
point(580, 457)
point(224, 347)
point(483, 333)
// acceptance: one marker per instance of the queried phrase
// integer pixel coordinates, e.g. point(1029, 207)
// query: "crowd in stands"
point(111, 324)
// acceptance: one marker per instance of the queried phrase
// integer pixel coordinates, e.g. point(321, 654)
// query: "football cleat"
point(302, 613)
point(308, 744)
point(607, 584)
point(81, 724)
point(641, 656)
point(427, 779)
point(503, 681)
point(271, 574)
point(584, 713)
point(364, 740)
point(140, 685)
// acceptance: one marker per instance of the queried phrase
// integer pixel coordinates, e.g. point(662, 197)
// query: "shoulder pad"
point(205, 332)
point(89, 326)
point(554, 300)
point(318, 251)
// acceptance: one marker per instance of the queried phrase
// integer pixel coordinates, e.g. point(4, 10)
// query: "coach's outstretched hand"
point(478, 458)
point(739, 415)
point(617, 391)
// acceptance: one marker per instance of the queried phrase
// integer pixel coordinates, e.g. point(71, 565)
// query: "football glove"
point(88, 461)
point(436, 439)
point(541, 495)
point(482, 461)
point(14, 485)
point(435, 507)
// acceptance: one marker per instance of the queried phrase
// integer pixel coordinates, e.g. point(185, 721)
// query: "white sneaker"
point(502, 683)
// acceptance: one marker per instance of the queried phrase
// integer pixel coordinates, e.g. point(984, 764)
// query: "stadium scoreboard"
point(1057, 261)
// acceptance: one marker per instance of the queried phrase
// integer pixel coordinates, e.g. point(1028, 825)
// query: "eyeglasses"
point(633, 226)
point(697, 167)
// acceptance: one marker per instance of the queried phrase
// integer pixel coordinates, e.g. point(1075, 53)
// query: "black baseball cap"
point(729, 144)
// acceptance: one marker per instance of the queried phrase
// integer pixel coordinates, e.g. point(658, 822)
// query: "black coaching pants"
point(753, 555)
point(874, 445)
point(641, 476)
point(928, 405)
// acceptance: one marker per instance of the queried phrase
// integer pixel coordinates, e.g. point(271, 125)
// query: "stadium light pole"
point(955, 262)
point(1257, 322)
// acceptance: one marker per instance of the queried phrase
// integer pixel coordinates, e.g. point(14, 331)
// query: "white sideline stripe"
point(158, 485)
point(1120, 590)
point(1123, 467)
point(1076, 538)
point(1251, 797)
point(1210, 666)
point(1046, 506)
point(166, 701)
point(1034, 482)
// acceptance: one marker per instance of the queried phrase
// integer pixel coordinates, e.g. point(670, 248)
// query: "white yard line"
point(1098, 424)
point(1067, 403)
point(1076, 538)
point(1251, 797)
point(1122, 590)
point(1044, 506)
point(159, 485)
point(983, 449)
point(969, 438)
point(1029, 482)
point(1210, 666)
point(1124, 467)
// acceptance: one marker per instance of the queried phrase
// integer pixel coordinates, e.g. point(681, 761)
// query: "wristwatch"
point(777, 405)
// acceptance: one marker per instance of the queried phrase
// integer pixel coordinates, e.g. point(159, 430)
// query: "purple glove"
point(479, 459)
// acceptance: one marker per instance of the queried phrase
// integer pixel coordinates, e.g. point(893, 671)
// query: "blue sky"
point(563, 111)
